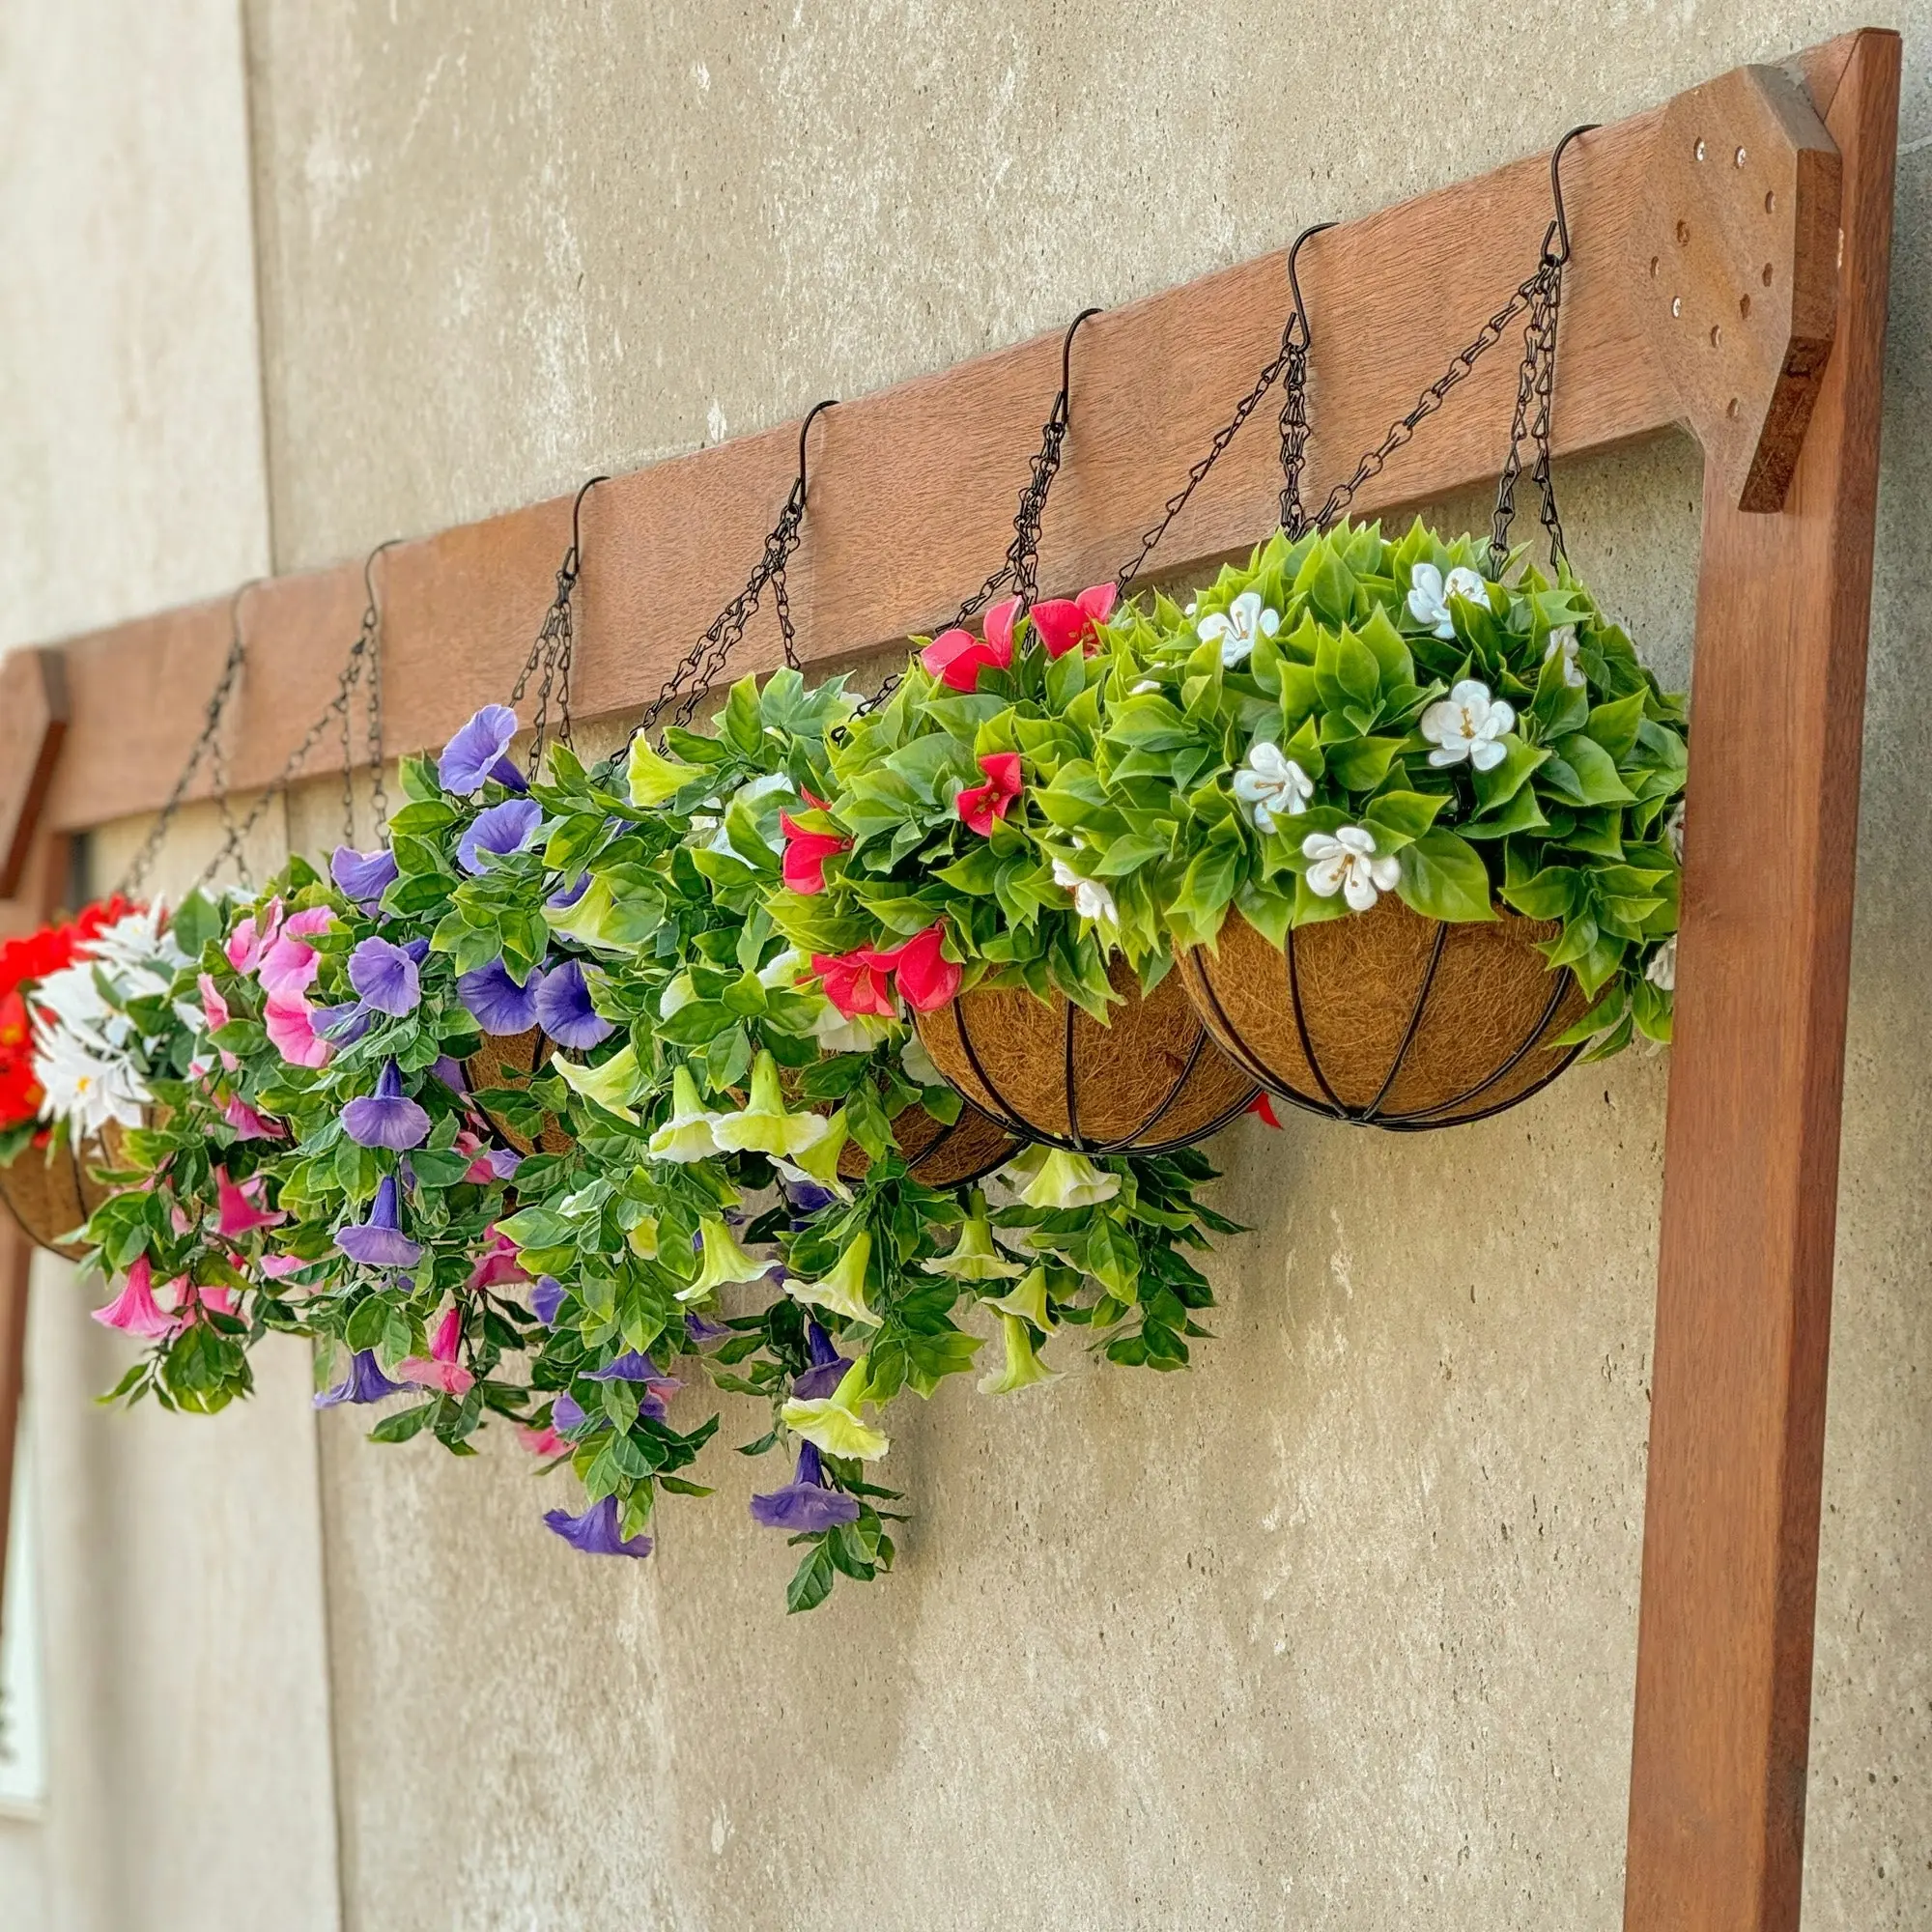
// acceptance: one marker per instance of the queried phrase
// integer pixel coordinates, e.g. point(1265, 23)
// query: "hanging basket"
point(510, 1059)
point(939, 1154)
point(51, 1190)
point(1388, 1019)
point(1150, 1080)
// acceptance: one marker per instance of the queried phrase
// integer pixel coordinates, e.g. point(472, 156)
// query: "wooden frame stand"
point(1729, 272)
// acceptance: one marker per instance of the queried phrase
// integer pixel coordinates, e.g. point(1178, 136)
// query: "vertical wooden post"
point(1724, 1692)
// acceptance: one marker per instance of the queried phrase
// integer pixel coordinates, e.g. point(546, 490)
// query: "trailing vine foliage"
point(696, 961)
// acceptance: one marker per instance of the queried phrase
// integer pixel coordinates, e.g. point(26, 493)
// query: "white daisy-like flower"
point(87, 1090)
point(1661, 970)
point(1238, 628)
point(1429, 592)
point(1565, 640)
point(1468, 724)
point(1346, 861)
point(1272, 785)
point(1091, 898)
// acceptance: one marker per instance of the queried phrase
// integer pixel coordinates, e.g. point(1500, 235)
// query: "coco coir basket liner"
point(51, 1190)
point(1389, 1019)
point(509, 1059)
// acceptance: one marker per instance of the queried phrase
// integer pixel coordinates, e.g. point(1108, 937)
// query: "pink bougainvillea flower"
point(252, 938)
point(805, 853)
point(856, 982)
point(238, 1208)
point(957, 657)
point(134, 1310)
point(1261, 1104)
point(1062, 622)
point(927, 978)
point(292, 1033)
point(497, 1264)
point(980, 804)
point(250, 1125)
point(544, 1441)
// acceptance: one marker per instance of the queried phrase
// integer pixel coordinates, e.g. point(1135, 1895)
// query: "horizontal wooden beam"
point(913, 488)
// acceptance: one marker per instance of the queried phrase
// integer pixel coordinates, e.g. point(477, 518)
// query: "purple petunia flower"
point(566, 1412)
point(495, 1001)
point(564, 1010)
point(379, 1241)
point(385, 978)
point(545, 1298)
point(386, 1117)
point(595, 1531)
point(450, 1073)
point(365, 1382)
point(828, 1366)
point(567, 896)
point(805, 1504)
point(476, 752)
point(362, 876)
point(806, 1197)
point(635, 1367)
point(505, 1162)
point(503, 828)
point(342, 1024)
point(699, 1329)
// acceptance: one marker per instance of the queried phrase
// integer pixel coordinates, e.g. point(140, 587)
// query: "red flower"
point(980, 804)
point(957, 657)
point(927, 978)
point(1062, 622)
point(855, 981)
point(805, 853)
point(1261, 1104)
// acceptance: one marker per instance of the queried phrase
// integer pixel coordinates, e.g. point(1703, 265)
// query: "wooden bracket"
point(1735, 258)
point(33, 721)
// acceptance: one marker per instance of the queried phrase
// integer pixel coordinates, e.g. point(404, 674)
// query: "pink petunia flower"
point(545, 1441)
point(134, 1310)
point(292, 1033)
point(497, 1264)
point(251, 939)
point(239, 1209)
point(440, 1368)
point(248, 1124)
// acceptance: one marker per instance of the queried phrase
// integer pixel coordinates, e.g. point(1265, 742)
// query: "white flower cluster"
point(87, 1053)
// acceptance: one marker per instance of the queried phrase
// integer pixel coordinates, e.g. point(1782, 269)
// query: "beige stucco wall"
point(1336, 1631)
point(178, 1570)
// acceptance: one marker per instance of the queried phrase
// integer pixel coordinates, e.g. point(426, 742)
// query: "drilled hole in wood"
point(1700, 150)
point(1716, 334)
point(1738, 158)
point(1769, 201)
point(1653, 267)
point(1683, 234)
point(1765, 276)
point(1676, 304)
point(1731, 408)
point(1744, 308)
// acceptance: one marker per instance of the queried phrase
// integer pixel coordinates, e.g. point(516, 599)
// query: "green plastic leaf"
point(1444, 878)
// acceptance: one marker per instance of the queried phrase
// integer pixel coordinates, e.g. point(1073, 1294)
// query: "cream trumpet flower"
point(1468, 724)
point(834, 1423)
point(1662, 971)
point(691, 1132)
point(1238, 627)
point(918, 1063)
point(818, 1165)
point(1429, 592)
point(1091, 898)
point(1057, 1179)
point(762, 1125)
point(1272, 785)
point(975, 1258)
point(1027, 1302)
point(1565, 640)
point(844, 1290)
point(1022, 1367)
point(725, 1263)
point(612, 1085)
point(1345, 862)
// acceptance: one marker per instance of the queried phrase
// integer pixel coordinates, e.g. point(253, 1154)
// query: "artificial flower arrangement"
point(725, 1199)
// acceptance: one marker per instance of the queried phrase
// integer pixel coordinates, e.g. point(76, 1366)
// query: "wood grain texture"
point(1718, 1783)
point(913, 488)
point(32, 724)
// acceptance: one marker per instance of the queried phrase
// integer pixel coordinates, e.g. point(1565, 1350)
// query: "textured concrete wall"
point(186, 1662)
point(1338, 1630)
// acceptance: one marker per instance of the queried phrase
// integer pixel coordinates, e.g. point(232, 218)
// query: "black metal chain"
point(364, 663)
point(208, 745)
point(1536, 383)
point(555, 647)
point(699, 669)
